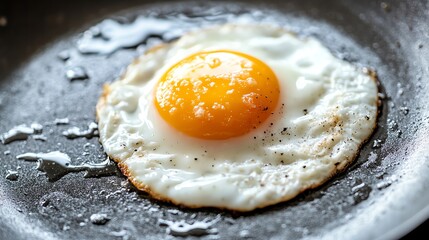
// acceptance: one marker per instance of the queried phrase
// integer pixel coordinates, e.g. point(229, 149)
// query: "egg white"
point(327, 110)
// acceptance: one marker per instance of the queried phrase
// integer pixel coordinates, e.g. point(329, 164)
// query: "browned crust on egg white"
point(337, 169)
point(340, 168)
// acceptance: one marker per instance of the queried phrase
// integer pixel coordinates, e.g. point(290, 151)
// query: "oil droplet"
point(57, 164)
point(113, 35)
point(382, 185)
point(404, 110)
point(12, 175)
point(244, 233)
point(361, 192)
point(61, 121)
point(20, 132)
point(99, 218)
point(392, 124)
point(183, 229)
point(75, 132)
point(123, 233)
point(76, 73)
point(377, 143)
point(40, 137)
point(173, 211)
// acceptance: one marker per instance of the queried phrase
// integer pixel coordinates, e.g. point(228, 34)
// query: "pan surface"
point(383, 195)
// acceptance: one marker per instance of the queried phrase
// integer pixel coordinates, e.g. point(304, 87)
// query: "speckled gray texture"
point(384, 194)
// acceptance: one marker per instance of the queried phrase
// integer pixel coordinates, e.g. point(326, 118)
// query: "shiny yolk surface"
point(217, 94)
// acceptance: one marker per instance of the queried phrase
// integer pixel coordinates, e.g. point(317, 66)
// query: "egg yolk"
point(217, 94)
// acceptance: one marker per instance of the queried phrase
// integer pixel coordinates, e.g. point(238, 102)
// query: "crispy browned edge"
point(142, 187)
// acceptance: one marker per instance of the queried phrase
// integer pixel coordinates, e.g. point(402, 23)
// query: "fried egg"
point(236, 117)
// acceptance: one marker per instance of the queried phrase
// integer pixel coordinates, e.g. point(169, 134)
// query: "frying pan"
point(390, 171)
